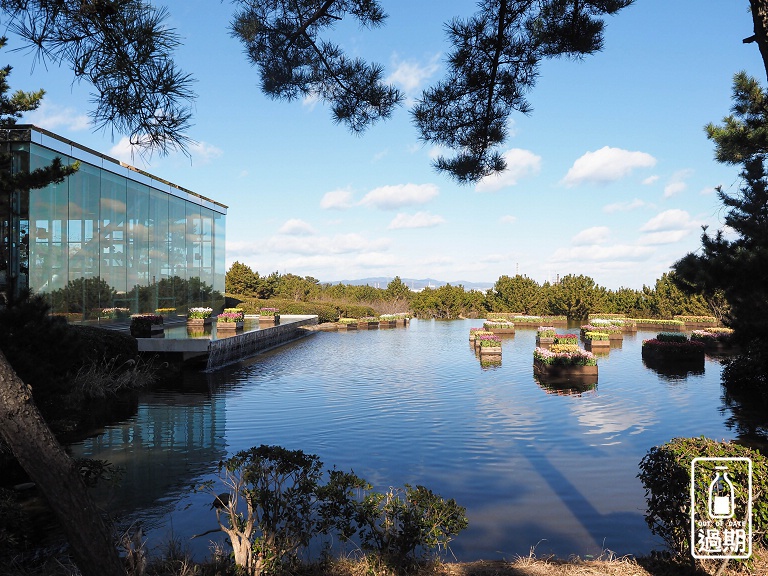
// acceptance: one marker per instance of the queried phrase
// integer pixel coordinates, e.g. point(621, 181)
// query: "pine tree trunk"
point(39, 453)
point(760, 21)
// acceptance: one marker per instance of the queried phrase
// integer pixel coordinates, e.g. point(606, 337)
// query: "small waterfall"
point(234, 348)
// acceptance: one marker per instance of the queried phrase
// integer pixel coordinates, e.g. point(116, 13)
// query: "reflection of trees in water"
point(88, 296)
point(746, 397)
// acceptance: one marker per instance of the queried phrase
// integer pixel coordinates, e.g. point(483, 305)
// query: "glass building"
point(109, 236)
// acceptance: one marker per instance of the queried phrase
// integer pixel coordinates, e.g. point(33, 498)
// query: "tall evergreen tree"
point(735, 259)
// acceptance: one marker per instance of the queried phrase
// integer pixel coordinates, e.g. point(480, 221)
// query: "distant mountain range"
point(414, 283)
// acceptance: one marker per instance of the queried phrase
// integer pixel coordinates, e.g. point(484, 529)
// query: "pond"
point(535, 467)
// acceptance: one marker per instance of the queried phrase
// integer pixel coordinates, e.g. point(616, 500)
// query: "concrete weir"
point(212, 353)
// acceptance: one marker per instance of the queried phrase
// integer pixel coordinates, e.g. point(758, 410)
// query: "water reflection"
point(412, 405)
point(675, 371)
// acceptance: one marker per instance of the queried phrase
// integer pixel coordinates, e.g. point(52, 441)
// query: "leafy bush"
point(665, 472)
point(287, 505)
point(403, 526)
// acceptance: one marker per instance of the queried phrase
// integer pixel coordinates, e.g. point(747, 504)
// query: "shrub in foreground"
point(278, 501)
point(665, 472)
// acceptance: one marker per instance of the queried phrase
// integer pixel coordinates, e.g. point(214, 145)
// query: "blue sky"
point(611, 175)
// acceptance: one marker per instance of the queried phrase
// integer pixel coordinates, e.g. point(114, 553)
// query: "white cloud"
point(411, 75)
point(393, 197)
point(311, 100)
point(591, 236)
point(337, 199)
point(124, 151)
point(667, 227)
point(52, 117)
point(520, 163)
point(508, 219)
point(677, 183)
point(606, 165)
point(203, 153)
point(674, 219)
point(436, 151)
point(666, 237)
point(296, 227)
point(200, 152)
point(650, 180)
point(623, 206)
point(708, 191)
point(418, 220)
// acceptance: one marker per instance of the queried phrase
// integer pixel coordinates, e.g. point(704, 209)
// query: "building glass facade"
point(109, 236)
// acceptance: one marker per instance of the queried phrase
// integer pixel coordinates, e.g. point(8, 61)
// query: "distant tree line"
point(573, 296)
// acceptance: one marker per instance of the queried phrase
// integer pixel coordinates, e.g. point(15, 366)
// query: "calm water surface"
point(534, 468)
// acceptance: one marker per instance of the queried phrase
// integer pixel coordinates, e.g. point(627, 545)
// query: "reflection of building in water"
point(173, 439)
point(107, 236)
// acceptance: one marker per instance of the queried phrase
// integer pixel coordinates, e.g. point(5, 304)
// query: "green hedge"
point(665, 472)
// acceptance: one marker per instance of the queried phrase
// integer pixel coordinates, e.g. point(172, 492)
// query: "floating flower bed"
point(566, 339)
point(499, 326)
point(368, 322)
point(614, 332)
point(387, 321)
point(230, 319)
point(199, 316)
point(347, 324)
point(661, 324)
point(597, 341)
point(269, 315)
point(672, 347)
point(609, 315)
point(565, 362)
point(147, 326)
point(488, 345)
point(402, 318)
point(698, 321)
point(715, 339)
point(545, 335)
point(473, 333)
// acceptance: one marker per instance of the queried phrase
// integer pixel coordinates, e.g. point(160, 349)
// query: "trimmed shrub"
point(671, 337)
point(665, 472)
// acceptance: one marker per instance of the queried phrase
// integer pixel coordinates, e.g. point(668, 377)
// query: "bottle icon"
point(721, 494)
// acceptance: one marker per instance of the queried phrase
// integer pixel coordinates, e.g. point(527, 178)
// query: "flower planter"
point(367, 325)
point(199, 322)
point(387, 323)
point(501, 330)
point(346, 326)
point(269, 319)
point(597, 345)
point(545, 341)
point(489, 351)
point(229, 326)
point(616, 336)
point(561, 373)
point(661, 355)
point(629, 328)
